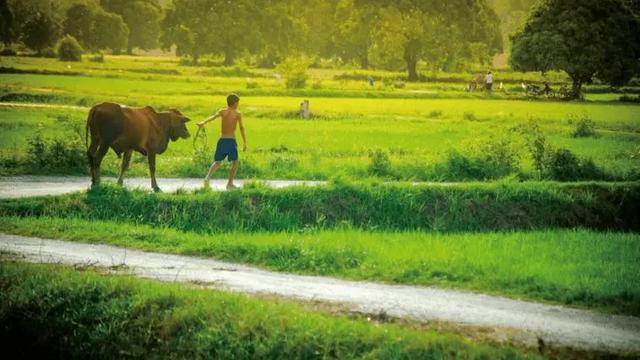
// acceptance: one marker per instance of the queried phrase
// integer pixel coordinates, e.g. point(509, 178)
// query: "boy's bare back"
point(229, 119)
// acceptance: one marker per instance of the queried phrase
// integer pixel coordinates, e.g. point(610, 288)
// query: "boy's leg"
point(232, 173)
point(215, 166)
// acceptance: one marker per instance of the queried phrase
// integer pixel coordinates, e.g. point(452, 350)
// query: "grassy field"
point(52, 310)
point(417, 127)
point(518, 227)
point(578, 268)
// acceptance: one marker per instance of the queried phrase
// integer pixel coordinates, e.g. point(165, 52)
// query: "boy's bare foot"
point(232, 187)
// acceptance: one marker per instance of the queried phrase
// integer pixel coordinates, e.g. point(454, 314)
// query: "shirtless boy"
point(227, 146)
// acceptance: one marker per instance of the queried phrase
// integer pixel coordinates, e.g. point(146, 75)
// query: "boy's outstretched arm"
point(244, 137)
point(209, 119)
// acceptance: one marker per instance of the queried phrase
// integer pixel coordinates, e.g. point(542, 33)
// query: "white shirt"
point(489, 79)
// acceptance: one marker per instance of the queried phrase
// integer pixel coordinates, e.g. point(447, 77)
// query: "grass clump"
point(584, 127)
point(51, 311)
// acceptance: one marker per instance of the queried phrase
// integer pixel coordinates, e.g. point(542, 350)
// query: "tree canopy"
point(586, 39)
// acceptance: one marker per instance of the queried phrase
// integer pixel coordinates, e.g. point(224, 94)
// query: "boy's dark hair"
point(232, 99)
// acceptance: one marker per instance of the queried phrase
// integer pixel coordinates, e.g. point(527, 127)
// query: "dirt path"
point(24, 186)
point(556, 325)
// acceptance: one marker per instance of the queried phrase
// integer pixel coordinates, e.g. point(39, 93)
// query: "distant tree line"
point(386, 34)
point(95, 24)
point(586, 38)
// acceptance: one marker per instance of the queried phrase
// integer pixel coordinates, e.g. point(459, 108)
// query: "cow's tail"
point(86, 129)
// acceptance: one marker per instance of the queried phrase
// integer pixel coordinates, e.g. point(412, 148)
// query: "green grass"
point(418, 126)
point(452, 208)
point(52, 311)
point(417, 142)
point(580, 268)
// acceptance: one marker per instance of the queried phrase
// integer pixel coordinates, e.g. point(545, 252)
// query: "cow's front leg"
point(125, 165)
point(152, 171)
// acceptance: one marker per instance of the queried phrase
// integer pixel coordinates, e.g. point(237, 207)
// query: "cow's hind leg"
point(152, 171)
point(97, 160)
point(91, 152)
point(125, 165)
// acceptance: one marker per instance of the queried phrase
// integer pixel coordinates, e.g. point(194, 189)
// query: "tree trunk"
point(364, 61)
point(412, 72)
point(228, 57)
point(576, 88)
point(129, 48)
point(195, 56)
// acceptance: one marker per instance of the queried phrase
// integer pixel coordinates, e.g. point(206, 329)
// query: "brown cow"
point(126, 129)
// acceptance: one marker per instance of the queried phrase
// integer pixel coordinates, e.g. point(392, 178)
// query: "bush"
point(64, 155)
point(252, 84)
point(47, 53)
point(629, 98)
point(295, 70)
point(585, 127)
point(563, 165)
point(8, 52)
point(69, 49)
point(380, 164)
point(99, 57)
point(469, 116)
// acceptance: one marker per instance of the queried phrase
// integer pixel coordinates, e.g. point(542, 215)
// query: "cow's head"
point(177, 125)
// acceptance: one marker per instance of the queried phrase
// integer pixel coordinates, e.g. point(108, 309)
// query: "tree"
point(282, 33)
point(109, 31)
point(142, 18)
point(353, 27)
point(95, 28)
point(79, 23)
point(586, 39)
point(438, 32)
point(41, 31)
point(211, 27)
point(186, 25)
point(6, 23)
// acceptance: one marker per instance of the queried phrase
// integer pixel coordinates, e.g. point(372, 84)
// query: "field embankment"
point(455, 208)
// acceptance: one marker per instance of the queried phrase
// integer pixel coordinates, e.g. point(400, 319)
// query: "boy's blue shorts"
point(226, 148)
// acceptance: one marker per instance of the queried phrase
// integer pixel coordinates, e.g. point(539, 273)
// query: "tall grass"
point(564, 266)
point(471, 207)
point(54, 312)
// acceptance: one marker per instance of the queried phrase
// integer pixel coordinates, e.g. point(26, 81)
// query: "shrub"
point(536, 144)
point(563, 165)
point(469, 116)
point(380, 164)
point(252, 84)
point(47, 53)
point(630, 98)
point(295, 70)
point(435, 114)
point(99, 57)
point(63, 155)
point(283, 162)
point(8, 52)
point(69, 49)
point(585, 127)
